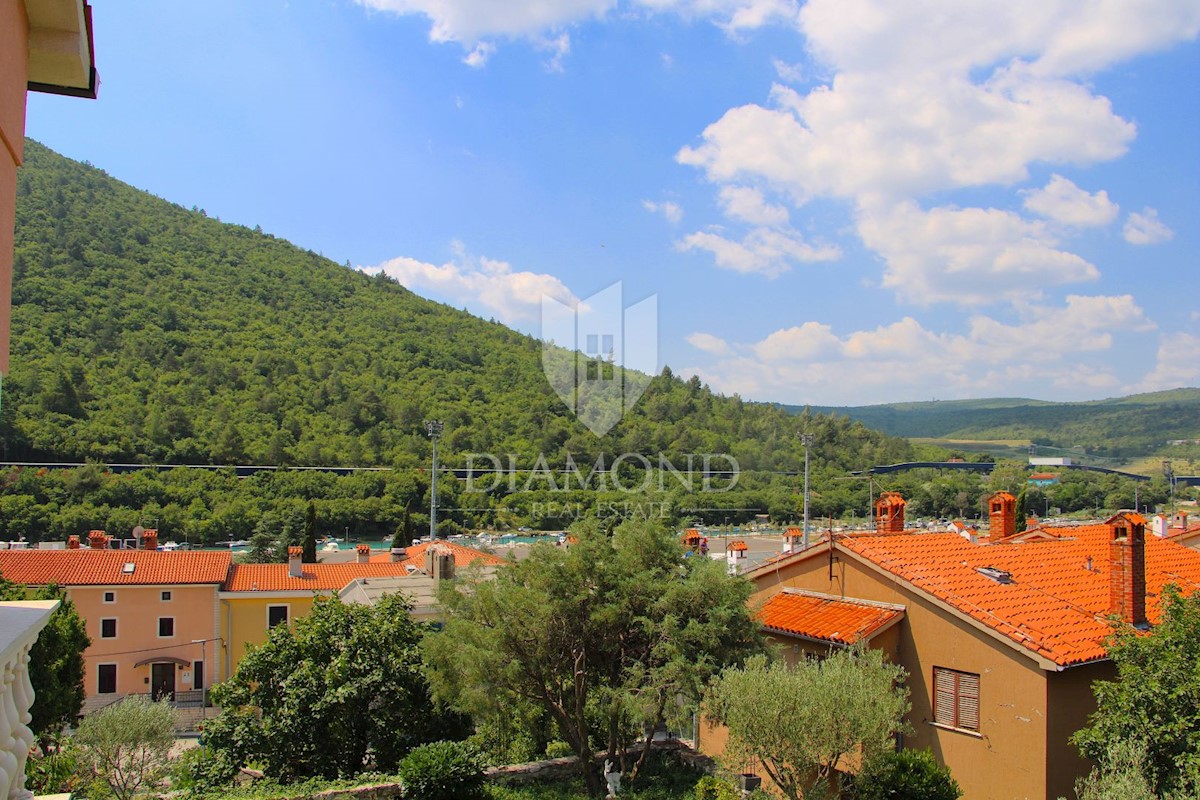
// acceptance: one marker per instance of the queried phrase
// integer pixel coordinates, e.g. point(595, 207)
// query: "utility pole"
point(806, 439)
point(434, 428)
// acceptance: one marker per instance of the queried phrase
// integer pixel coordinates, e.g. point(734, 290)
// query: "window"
point(108, 628)
point(166, 595)
point(197, 674)
point(956, 699)
point(166, 627)
point(110, 597)
point(106, 679)
point(276, 615)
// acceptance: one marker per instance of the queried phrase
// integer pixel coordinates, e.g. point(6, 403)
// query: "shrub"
point(442, 771)
point(127, 744)
point(559, 749)
point(200, 769)
point(712, 788)
point(906, 775)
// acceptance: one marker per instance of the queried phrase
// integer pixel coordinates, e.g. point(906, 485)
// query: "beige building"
point(1002, 635)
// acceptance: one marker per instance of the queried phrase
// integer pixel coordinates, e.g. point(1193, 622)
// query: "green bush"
point(906, 775)
point(558, 749)
point(442, 771)
point(712, 788)
point(200, 769)
point(59, 770)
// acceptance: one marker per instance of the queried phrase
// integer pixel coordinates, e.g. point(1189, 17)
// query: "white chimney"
point(295, 562)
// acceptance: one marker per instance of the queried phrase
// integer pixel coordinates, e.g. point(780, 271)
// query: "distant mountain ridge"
point(1136, 425)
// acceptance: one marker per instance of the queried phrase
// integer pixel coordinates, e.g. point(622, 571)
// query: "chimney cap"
point(295, 551)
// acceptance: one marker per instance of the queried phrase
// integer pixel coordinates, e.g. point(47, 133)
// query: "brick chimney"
point(295, 561)
point(72, 542)
point(97, 540)
point(1127, 579)
point(362, 553)
point(439, 563)
point(150, 539)
point(889, 513)
point(1002, 516)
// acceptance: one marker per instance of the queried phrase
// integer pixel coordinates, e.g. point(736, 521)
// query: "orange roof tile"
point(313, 578)
point(463, 556)
point(1056, 604)
point(107, 567)
point(819, 616)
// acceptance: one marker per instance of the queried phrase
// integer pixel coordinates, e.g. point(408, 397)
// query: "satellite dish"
point(138, 530)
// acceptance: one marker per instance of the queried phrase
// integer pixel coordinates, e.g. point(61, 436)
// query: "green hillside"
point(1121, 427)
point(144, 332)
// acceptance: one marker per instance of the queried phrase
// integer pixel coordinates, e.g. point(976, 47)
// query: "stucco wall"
point(247, 619)
point(137, 610)
point(1011, 755)
point(14, 32)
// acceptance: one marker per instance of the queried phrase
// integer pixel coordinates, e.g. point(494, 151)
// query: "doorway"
point(162, 681)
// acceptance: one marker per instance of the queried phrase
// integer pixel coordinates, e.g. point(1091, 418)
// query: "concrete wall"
point(1012, 754)
point(14, 58)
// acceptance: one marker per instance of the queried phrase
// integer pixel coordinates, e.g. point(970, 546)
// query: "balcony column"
point(20, 624)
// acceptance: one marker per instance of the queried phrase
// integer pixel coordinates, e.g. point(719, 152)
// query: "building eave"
point(61, 58)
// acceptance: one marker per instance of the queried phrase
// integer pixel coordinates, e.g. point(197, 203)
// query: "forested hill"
point(1126, 426)
point(145, 332)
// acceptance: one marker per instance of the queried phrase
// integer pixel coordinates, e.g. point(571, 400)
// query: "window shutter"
point(944, 695)
point(968, 701)
point(956, 699)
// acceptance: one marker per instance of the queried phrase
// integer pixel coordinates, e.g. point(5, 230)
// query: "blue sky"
point(835, 202)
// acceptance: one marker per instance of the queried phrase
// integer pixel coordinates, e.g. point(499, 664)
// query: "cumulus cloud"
point(763, 251)
point(945, 95)
point(1146, 228)
point(1047, 346)
point(708, 343)
point(668, 208)
point(1175, 366)
point(971, 256)
point(1065, 203)
point(491, 285)
point(749, 205)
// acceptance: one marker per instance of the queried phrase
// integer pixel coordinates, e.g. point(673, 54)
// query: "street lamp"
point(806, 439)
point(434, 428)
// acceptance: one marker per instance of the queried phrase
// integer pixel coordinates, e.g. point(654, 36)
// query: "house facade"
point(1001, 636)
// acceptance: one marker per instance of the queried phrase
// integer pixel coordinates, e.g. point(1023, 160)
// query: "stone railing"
point(20, 623)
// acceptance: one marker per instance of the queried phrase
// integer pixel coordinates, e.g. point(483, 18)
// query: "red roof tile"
point(463, 556)
point(313, 578)
point(107, 567)
point(1056, 604)
point(819, 616)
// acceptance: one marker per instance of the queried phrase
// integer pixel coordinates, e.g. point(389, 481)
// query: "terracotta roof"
point(820, 616)
point(1041, 594)
point(313, 578)
point(463, 556)
point(107, 567)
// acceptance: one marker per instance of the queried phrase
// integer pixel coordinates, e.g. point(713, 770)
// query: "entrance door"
point(162, 681)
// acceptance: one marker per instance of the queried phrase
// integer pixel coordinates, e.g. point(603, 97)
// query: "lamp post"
point(434, 428)
point(806, 439)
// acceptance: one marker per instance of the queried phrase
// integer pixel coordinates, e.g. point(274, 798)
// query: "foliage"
point(711, 787)
point(1155, 699)
point(56, 770)
point(800, 722)
point(200, 769)
point(338, 692)
point(127, 744)
point(56, 664)
point(442, 771)
point(905, 775)
point(605, 636)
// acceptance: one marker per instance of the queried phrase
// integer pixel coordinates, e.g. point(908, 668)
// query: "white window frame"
point(160, 633)
point(165, 596)
point(116, 628)
point(105, 597)
point(286, 606)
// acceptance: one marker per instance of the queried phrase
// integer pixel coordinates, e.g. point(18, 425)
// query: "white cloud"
point(489, 284)
point(1065, 203)
point(971, 256)
point(479, 55)
point(788, 72)
point(668, 208)
point(1177, 365)
point(708, 343)
point(763, 251)
point(1146, 228)
point(559, 47)
point(1049, 346)
point(935, 96)
point(749, 205)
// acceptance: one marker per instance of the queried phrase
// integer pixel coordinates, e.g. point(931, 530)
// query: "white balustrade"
point(20, 623)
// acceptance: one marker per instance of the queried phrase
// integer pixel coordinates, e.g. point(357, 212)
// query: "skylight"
point(998, 575)
point(127, 567)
